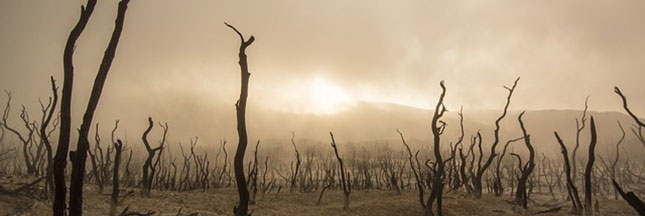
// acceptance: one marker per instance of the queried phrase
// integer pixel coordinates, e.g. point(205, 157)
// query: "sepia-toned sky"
point(318, 56)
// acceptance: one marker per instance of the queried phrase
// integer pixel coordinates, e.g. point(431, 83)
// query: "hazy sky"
point(180, 54)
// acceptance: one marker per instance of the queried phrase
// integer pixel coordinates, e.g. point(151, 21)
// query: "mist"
point(361, 69)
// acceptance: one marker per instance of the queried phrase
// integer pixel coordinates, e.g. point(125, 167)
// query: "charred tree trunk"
point(458, 181)
point(631, 198)
point(346, 182)
point(240, 106)
point(27, 139)
point(148, 170)
point(297, 168)
point(49, 175)
point(417, 177)
point(253, 177)
point(580, 125)
point(80, 156)
point(571, 187)
point(498, 188)
point(589, 169)
point(521, 196)
point(617, 158)
point(98, 153)
point(60, 160)
point(481, 170)
point(624, 99)
point(438, 174)
point(114, 198)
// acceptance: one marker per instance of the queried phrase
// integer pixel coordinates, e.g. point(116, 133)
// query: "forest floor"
point(364, 202)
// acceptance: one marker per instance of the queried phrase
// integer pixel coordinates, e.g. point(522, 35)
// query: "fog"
point(325, 60)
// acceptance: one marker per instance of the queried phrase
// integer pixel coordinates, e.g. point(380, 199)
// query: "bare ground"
point(372, 202)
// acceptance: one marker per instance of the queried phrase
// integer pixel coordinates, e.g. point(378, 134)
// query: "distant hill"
point(377, 122)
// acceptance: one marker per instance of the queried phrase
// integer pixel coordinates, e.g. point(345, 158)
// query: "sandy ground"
point(373, 202)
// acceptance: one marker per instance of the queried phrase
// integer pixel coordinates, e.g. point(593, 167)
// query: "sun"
point(327, 98)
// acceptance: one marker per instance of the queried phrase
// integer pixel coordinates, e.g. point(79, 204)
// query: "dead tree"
point(128, 179)
point(588, 170)
point(25, 139)
point(79, 157)
point(624, 99)
point(295, 171)
point(328, 181)
point(437, 127)
point(467, 177)
point(60, 160)
point(417, 177)
point(253, 174)
point(617, 158)
point(548, 177)
point(481, 170)
point(148, 168)
point(521, 196)
point(457, 181)
point(639, 122)
point(571, 186)
point(631, 198)
point(5, 153)
point(98, 155)
point(49, 110)
point(184, 182)
point(114, 198)
point(498, 188)
point(240, 106)
point(345, 182)
point(220, 179)
point(22, 190)
point(580, 125)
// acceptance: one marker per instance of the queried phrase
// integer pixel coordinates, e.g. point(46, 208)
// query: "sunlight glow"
point(326, 97)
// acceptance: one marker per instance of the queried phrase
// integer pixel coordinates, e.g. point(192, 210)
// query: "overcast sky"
point(371, 50)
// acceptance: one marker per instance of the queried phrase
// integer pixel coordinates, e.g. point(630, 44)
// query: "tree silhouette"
point(240, 107)
point(79, 156)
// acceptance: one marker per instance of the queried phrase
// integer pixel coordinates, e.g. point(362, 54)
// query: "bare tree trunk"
point(346, 182)
point(624, 99)
point(80, 156)
point(60, 160)
point(26, 140)
point(580, 125)
point(588, 170)
point(521, 196)
point(114, 199)
point(297, 168)
point(240, 106)
point(148, 168)
point(253, 177)
point(498, 188)
point(49, 177)
point(631, 198)
point(481, 170)
point(617, 158)
point(571, 187)
point(414, 170)
point(438, 174)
